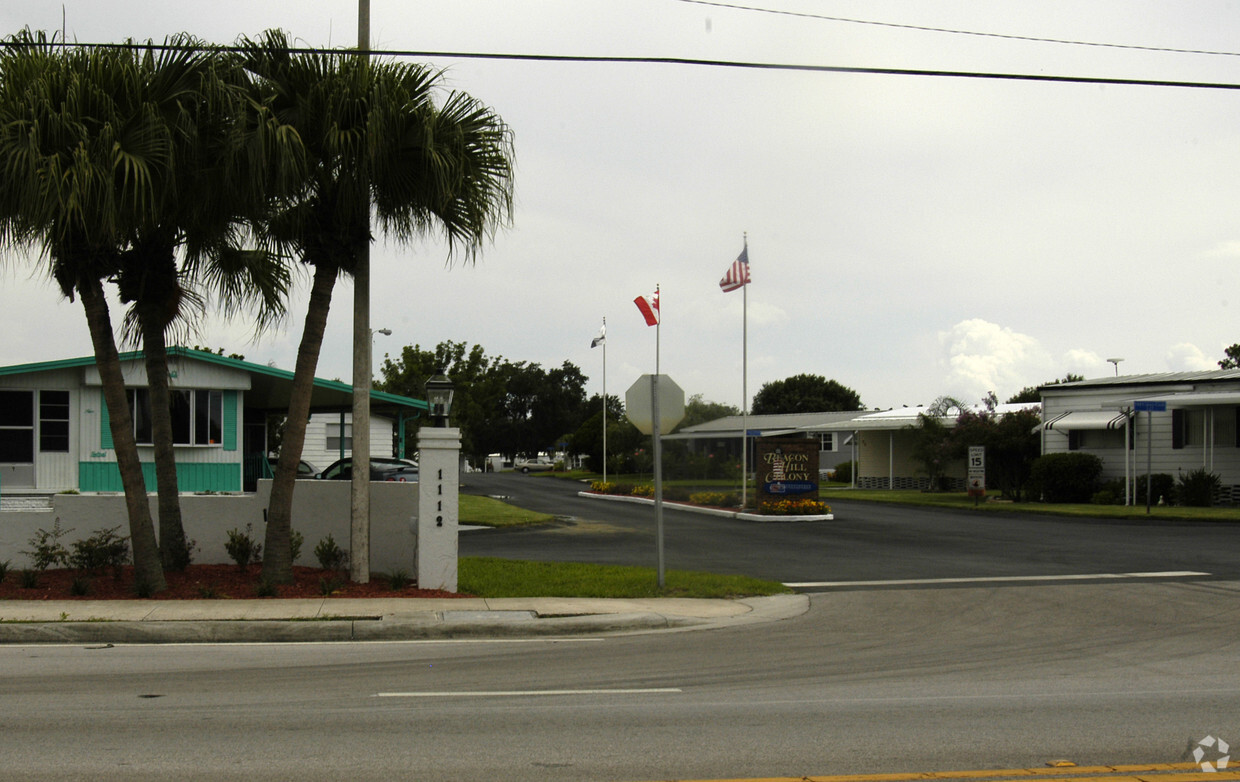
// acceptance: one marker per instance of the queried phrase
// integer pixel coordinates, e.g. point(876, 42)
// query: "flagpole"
point(604, 400)
point(658, 446)
point(745, 386)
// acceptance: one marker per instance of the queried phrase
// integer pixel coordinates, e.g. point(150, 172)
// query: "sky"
point(908, 236)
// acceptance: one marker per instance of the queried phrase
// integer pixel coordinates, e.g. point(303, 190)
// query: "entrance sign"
point(787, 469)
point(1141, 406)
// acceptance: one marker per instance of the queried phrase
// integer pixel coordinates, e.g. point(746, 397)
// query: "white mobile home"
point(1169, 423)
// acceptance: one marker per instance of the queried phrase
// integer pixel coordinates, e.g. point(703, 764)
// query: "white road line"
point(995, 579)
point(524, 693)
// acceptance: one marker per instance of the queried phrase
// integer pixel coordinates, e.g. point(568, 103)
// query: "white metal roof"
point(1199, 399)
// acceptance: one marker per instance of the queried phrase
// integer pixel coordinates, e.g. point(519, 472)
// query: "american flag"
point(738, 273)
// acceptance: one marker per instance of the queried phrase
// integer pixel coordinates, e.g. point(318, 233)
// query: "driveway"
point(865, 542)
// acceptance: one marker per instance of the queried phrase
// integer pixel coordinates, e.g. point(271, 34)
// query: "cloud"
point(983, 356)
point(1186, 357)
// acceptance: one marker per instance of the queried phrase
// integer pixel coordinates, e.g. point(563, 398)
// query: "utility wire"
point(950, 31)
point(556, 58)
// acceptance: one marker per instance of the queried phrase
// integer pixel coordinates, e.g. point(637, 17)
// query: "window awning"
point(1087, 419)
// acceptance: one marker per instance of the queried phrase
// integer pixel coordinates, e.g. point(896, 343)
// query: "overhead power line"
point(951, 31)
point(772, 66)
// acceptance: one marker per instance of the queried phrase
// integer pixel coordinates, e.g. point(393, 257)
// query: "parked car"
point(304, 468)
point(381, 469)
point(538, 464)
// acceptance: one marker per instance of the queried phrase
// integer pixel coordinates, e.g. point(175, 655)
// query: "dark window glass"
point(54, 421)
point(180, 404)
point(208, 417)
point(16, 408)
point(140, 409)
point(17, 445)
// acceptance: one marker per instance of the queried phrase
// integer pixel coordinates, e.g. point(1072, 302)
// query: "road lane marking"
point(525, 693)
point(995, 579)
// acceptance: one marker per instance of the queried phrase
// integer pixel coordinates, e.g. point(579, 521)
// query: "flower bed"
point(714, 499)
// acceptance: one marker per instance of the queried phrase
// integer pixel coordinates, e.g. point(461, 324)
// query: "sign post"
point(1150, 407)
point(655, 404)
point(977, 472)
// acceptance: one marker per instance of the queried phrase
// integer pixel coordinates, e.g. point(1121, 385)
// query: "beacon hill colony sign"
point(787, 469)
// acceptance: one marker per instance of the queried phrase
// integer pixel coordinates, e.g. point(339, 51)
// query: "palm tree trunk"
point(277, 557)
point(147, 570)
point(173, 551)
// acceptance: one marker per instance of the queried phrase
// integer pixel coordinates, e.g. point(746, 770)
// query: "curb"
point(732, 514)
point(521, 624)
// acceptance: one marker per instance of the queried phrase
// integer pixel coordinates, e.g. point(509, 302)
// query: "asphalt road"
point(869, 681)
point(865, 542)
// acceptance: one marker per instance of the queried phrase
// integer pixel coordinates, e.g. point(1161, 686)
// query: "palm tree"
point(374, 136)
point(213, 181)
point(75, 172)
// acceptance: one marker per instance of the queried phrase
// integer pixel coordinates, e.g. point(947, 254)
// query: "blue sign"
point(790, 487)
point(1149, 406)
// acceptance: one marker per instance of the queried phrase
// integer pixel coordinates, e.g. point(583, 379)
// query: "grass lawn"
point(489, 512)
point(961, 501)
point(490, 577)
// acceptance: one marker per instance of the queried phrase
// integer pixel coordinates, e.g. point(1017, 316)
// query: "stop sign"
point(637, 404)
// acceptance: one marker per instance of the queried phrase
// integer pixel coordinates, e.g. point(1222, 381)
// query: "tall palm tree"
point(75, 172)
point(375, 140)
point(213, 181)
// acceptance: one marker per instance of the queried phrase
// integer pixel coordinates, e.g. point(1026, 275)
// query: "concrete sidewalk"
point(387, 619)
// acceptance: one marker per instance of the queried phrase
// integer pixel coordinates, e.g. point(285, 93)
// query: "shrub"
point(844, 472)
point(4, 569)
point(48, 550)
point(603, 487)
point(329, 585)
point(30, 579)
point(103, 549)
point(265, 588)
point(1198, 488)
point(1066, 477)
point(79, 586)
point(296, 540)
point(398, 580)
point(673, 493)
point(242, 548)
point(330, 555)
point(643, 490)
point(1162, 487)
point(717, 498)
point(793, 508)
point(1103, 497)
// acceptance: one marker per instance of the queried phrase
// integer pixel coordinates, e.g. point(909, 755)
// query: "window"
point(828, 442)
point(1224, 426)
point(197, 416)
point(334, 435)
point(54, 421)
point(17, 426)
point(1095, 439)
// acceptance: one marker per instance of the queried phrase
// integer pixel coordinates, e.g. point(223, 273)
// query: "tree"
point(211, 179)
point(374, 137)
point(1231, 357)
point(1032, 394)
point(622, 437)
point(77, 174)
point(804, 394)
point(699, 411)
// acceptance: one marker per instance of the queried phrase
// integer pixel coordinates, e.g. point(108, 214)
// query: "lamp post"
point(439, 452)
point(439, 391)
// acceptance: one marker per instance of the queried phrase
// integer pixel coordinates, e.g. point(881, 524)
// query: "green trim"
point(105, 424)
point(230, 420)
point(106, 476)
point(211, 358)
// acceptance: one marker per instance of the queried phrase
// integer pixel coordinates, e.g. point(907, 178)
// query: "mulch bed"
point(205, 582)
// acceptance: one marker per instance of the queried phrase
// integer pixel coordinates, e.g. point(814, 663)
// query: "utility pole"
point(359, 505)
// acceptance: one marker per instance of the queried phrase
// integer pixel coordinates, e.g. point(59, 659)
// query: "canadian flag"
point(649, 307)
